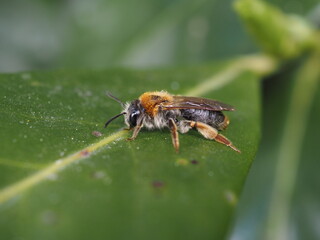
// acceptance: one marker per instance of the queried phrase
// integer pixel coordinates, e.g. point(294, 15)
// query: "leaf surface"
point(58, 180)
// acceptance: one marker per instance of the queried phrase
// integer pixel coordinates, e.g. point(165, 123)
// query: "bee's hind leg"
point(174, 134)
point(212, 133)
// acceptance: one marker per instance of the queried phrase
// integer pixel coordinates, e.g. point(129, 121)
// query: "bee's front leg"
point(136, 130)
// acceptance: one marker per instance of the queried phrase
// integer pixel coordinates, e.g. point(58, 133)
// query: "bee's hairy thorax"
point(151, 101)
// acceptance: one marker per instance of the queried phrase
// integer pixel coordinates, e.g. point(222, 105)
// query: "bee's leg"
point(212, 133)
point(136, 130)
point(174, 134)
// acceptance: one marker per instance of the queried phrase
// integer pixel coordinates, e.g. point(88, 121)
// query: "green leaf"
point(59, 181)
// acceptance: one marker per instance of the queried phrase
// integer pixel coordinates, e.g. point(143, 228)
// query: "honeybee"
point(158, 110)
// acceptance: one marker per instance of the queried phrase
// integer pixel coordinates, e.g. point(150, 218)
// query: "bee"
point(158, 110)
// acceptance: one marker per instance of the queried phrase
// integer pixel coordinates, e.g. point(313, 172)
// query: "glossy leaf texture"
point(113, 188)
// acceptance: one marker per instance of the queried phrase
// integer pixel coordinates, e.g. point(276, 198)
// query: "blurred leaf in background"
point(41, 34)
point(98, 34)
point(273, 194)
point(254, 209)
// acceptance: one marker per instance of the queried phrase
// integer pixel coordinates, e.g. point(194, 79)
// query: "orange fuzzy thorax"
point(151, 101)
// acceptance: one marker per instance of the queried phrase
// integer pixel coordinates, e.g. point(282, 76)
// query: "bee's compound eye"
point(133, 118)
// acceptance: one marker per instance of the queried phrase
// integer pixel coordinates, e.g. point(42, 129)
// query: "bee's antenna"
point(113, 118)
point(115, 98)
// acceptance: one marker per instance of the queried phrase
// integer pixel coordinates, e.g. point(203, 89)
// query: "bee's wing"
point(184, 102)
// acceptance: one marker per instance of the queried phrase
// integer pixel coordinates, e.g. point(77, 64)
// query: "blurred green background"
point(100, 34)
point(141, 33)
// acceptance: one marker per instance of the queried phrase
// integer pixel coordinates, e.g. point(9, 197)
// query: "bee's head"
point(133, 112)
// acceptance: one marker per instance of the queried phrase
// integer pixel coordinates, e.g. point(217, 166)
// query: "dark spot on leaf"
point(194, 161)
point(158, 184)
point(96, 133)
point(84, 153)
